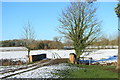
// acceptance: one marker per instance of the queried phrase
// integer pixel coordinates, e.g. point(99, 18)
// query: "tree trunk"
point(78, 52)
point(28, 55)
point(118, 61)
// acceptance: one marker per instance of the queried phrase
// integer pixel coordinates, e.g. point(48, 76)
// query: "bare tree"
point(58, 39)
point(79, 24)
point(28, 36)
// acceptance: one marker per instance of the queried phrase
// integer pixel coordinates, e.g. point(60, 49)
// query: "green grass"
point(90, 71)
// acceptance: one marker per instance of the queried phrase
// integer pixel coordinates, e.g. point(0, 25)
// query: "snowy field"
point(101, 54)
point(13, 48)
point(52, 54)
point(23, 54)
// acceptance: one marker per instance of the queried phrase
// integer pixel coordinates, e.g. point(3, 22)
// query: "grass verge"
point(89, 71)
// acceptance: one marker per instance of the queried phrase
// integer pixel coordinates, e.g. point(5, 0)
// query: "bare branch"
point(79, 23)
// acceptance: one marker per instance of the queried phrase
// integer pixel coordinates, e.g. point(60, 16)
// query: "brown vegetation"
point(7, 62)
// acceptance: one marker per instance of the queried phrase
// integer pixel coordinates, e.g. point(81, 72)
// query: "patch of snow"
point(13, 54)
point(13, 49)
point(102, 54)
point(44, 72)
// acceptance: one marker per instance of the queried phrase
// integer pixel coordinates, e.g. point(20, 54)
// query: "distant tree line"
point(37, 44)
point(12, 43)
point(102, 41)
point(105, 42)
point(54, 44)
point(46, 44)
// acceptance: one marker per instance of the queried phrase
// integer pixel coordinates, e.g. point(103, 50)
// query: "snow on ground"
point(22, 55)
point(8, 68)
point(44, 72)
point(16, 55)
point(13, 48)
point(103, 54)
point(54, 53)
